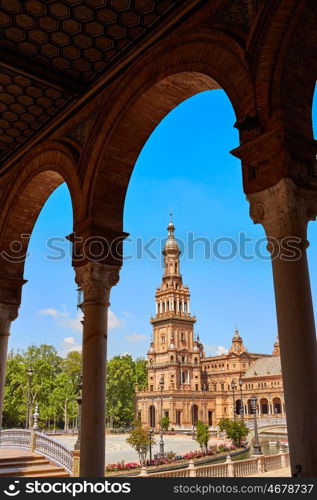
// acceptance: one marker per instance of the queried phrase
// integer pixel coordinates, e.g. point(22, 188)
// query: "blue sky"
point(185, 165)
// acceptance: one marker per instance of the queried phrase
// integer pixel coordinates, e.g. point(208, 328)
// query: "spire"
point(276, 350)
point(237, 343)
point(171, 228)
point(171, 253)
point(236, 336)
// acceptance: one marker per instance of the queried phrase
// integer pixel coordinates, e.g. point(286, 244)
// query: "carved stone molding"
point(284, 210)
point(96, 280)
point(8, 313)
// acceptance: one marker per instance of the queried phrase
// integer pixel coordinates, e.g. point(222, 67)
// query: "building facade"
point(186, 385)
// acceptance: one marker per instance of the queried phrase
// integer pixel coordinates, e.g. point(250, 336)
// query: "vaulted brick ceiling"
point(52, 51)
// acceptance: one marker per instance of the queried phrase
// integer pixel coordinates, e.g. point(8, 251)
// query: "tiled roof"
point(262, 367)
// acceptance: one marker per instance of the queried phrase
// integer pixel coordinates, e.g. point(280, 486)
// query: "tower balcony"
point(168, 315)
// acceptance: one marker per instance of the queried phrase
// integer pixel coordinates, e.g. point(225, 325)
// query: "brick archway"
point(160, 81)
point(40, 174)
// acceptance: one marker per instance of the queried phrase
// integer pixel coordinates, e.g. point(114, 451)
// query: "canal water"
point(266, 442)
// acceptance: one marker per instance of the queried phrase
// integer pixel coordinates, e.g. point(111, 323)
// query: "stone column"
point(96, 280)
point(8, 313)
point(284, 210)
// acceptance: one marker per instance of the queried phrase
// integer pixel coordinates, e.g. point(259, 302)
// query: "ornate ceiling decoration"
point(52, 51)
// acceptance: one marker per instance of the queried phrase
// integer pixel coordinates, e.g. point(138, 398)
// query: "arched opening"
point(48, 327)
point(49, 297)
point(238, 407)
point(210, 418)
point(194, 414)
point(152, 420)
point(249, 407)
point(277, 405)
point(264, 406)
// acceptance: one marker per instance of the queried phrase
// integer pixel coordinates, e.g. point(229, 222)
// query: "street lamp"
point(193, 418)
point(241, 399)
point(256, 447)
point(29, 373)
point(233, 387)
point(150, 436)
point(275, 411)
point(161, 426)
point(35, 418)
point(79, 400)
point(204, 406)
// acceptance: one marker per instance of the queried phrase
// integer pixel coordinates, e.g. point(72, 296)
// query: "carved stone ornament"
point(8, 313)
point(284, 210)
point(96, 280)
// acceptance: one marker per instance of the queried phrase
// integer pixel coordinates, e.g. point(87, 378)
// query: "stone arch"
point(152, 416)
point(238, 407)
point(264, 406)
point(37, 177)
point(194, 413)
point(284, 89)
point(277, 405)
point(175, 70)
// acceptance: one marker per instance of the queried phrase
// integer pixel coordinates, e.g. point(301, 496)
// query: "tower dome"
point(171, 246)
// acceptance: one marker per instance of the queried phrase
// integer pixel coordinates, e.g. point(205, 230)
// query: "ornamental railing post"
point(76, 463)
point(33, 441)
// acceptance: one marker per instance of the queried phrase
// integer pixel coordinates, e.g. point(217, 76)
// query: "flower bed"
point(172, 458)
point(121, 467)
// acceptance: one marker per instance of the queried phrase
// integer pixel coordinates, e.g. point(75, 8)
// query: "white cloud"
point(216, 350)
point(65, 320)
point(70, 344)
point(113, 321)
point(127, 314)
point(72, 323)
point(135, 337)
point(69, 340)
point(52, 312)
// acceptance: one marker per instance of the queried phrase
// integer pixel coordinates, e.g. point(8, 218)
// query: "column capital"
point(96, 280)
point(8, 313)
point(284, 209)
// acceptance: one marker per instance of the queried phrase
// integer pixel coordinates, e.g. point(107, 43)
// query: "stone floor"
point(275, 473)
point(15, 453)
point(117, 449)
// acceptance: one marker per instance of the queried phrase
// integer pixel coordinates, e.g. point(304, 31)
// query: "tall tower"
point(174, 354)
point(237, 346)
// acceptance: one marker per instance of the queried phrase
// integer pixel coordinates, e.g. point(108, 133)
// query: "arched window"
point(152, 416)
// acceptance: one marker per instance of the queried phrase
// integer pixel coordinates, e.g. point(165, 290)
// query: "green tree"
point(140, 439)
point(202, 435)
point(122, 376)
point(234, 429)
point(53, 379)
point(45, 364)
point(141, 373)
point(15, 394)
point(62, 398)
point(165, 423)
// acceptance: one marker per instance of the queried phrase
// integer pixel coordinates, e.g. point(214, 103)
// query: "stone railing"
point(218, 470)
point(16, 438)
point(54, 451)
point(246, 467)
point(37, 442)
point(170, 473)
point(240, 468)
point(266, 422)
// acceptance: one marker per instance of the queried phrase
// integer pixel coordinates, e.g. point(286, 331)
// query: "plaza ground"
point(117, 449)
